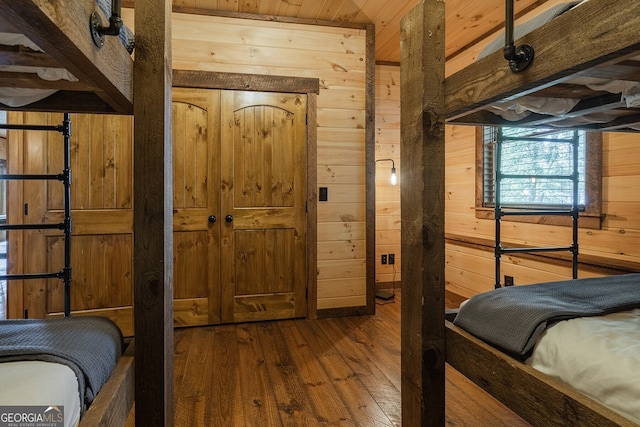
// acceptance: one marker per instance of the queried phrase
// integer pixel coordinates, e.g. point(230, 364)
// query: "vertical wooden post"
point(422, 202)
point(370, 159)
point(152, 215)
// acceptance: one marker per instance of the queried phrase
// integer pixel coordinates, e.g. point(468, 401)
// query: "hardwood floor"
point(342, 371)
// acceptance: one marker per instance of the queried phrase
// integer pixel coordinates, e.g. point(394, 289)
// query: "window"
point(523, 157)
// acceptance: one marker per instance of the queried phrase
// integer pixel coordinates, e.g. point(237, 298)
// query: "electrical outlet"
point(508, 280)
point(392, 258)
point(383, 259)
point(323, 195)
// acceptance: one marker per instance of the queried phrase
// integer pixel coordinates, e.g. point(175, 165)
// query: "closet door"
point(263, 195)
point(196, 206)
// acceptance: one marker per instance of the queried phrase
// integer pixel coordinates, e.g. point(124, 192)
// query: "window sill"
point(585, 220)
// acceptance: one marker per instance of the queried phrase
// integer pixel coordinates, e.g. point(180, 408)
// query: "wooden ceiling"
point(467, 21)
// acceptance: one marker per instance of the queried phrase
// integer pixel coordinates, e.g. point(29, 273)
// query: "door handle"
point(228, 218)
point(212, 219)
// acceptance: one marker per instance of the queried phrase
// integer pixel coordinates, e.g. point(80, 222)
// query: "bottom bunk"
point(70, 371)
point(549, 325)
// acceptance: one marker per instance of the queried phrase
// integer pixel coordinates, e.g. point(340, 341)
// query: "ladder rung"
point(58, 275)
point(32, 177)
point(58, 226)
point(544, 249)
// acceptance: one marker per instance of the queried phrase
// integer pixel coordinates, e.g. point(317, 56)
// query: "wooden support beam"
point(422, 201)
point(370, 155)
point(61, 29)
point(523, 389)
point(563, 47)
point(153, 216)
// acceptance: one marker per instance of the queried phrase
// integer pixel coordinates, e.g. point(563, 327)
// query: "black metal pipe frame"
point(65, 178)
point(509, 47)
point(98, 31)
point(67, 214)
point(115, 21)
point(519, 57)
point(499, 211)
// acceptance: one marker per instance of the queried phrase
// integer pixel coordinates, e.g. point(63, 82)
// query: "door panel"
point(196, 118)
point(263, 195)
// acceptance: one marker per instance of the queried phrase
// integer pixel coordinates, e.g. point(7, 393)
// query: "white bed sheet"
point(599, 356)
point(41, 384)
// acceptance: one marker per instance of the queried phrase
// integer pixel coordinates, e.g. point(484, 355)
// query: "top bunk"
point(585, 67)
point(49, 61)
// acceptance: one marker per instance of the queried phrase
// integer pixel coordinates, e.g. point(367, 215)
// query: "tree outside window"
point(544, 161)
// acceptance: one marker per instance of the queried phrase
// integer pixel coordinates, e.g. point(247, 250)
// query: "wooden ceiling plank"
point(270, 7)
point(347, 12)
point(328, 10)
point(249, 6)
point(310, 9)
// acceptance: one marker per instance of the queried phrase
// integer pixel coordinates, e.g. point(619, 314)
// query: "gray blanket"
point(90, 346)
point(513, 318)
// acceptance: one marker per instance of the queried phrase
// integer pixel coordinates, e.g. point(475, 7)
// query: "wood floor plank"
point(290, 392)
point(226, 407)
point(376, 347)
point(357, 399)
point(259, 403)
point(383, 391)
point(326, 402)
point(339, 371)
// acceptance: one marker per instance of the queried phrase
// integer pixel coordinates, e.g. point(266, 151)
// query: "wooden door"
point(101, 202)
point(196, 204)
point(263, 196)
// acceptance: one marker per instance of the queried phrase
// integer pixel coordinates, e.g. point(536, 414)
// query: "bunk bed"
point(65, 32)
point(596, 40)
point(63, 362)
point(53, 40)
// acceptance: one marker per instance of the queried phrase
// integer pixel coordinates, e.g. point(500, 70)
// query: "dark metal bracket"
point(98, 31)
point(519, 57)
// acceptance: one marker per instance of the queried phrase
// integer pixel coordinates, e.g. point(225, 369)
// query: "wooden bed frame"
point(564, 47)
point(106, 85)
point(61, 29)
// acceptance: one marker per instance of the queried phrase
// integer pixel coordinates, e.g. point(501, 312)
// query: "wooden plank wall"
point(469, 270)
point(337, 57)
point(387, 196)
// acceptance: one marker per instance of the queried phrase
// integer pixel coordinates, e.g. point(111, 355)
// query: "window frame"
point(591, 217)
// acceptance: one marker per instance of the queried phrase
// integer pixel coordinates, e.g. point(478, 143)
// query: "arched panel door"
point(263, 206)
